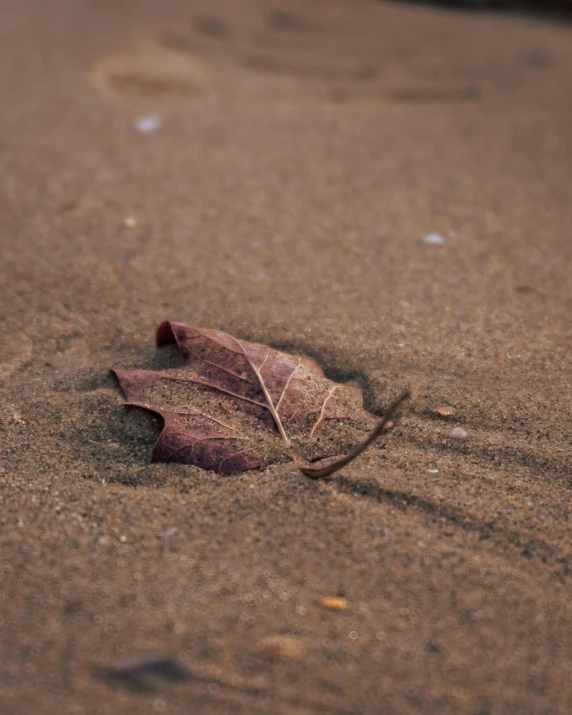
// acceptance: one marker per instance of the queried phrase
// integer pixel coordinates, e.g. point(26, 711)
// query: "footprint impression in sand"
point(291, 50)
point(276, 47)
point(150, 70)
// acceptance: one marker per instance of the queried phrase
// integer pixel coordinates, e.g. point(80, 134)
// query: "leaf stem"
point(320, 472)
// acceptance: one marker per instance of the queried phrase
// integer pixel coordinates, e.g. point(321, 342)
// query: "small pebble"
point(68, 205)
point(130, 222)
point(459, 433)
point(140, 673)
point(334, 603)
point(433, 238)
point(444, 410)
point(283, 647)
point(433, 471)
point(146, 125)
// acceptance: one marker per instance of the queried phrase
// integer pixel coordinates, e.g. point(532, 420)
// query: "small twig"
point(319, 472)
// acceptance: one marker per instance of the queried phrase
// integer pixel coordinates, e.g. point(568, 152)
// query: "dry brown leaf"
point(234, 394)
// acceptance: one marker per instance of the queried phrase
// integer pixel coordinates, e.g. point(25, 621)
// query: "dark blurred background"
point(550, 9)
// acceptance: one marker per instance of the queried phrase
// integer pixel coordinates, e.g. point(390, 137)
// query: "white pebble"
point(433, 238)
point(433, 471)
point(146, 125)
point(168, 532)
point(459, 433)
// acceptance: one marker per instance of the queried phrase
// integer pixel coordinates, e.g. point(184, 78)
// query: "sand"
point(272, 170)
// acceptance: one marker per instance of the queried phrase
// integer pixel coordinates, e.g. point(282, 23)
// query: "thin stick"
point(319, 472)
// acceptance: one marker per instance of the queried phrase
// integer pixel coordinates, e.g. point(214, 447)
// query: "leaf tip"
point(164, 334)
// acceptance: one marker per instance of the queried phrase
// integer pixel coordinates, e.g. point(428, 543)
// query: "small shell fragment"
point(283, 647)
point(444, 410)
point(433, 238)
point(146, 125)
point(459, 433)
point(334, 603)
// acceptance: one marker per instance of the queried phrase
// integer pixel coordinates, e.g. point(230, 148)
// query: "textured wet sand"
point(303, 152)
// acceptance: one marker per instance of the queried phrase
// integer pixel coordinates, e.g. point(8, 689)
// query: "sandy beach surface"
point(274, 170)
